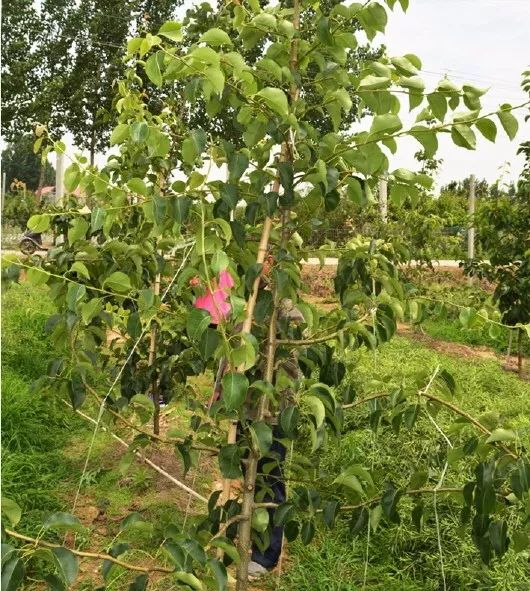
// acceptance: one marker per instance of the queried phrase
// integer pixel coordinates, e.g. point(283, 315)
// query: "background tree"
point(503, 230)
point(20, 162)
point(21, 28)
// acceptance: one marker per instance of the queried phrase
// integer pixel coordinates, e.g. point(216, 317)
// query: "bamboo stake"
point(520, 352)
point(152, 359)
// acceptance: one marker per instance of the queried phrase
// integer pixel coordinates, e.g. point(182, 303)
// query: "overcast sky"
point(483, 42)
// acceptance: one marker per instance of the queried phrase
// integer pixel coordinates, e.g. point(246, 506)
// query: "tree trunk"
point(247, 506)
point(41, 181)
point(93, 145)
point(245, 525)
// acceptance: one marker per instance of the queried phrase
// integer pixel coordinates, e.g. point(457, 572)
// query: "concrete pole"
point(471, 213)
point(59, 179)
point(471, 228)
point(383, 199)
point(3, 190)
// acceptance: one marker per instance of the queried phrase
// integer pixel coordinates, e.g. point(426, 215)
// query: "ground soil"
point(321, 281)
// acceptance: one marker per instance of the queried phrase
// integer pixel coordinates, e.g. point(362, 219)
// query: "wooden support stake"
point(152, 360)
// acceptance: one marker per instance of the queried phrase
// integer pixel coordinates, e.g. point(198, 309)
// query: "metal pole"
point(383, 199)
point(59, 179)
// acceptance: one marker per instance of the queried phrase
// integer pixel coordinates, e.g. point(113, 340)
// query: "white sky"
point(483, 42)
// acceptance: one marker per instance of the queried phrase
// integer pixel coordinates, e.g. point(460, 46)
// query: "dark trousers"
point(269, 558)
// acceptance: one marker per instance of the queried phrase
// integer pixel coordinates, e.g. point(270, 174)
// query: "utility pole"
point(383, 199)
point(3, 190)
point(471, 228)
point(59, 177)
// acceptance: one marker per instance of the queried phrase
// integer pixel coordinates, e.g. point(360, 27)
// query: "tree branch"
point(93, 555)
point(159, 438)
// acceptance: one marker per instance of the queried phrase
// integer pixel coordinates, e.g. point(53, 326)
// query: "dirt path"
point(460, 350)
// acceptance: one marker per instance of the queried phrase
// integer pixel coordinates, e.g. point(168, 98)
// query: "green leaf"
point(39, 223)
point(138, 186)
point(317, 409)
point(388, 123)
point(37, 276)
point(197, 322)
point(404, 66)
point(171, 30)
point(74, 295)
point(182, 207)
point(81, 269)
point(260, 519)
point(414, 83)
point(508, 121)
point(216, 37)
point(193, 146)
point(216, 78)
point(139, 131)
point(371, 82)
point(12, 574)
point(152, 68)
point(438, 103)
point(78, 230)
point(307, 531)
point(63, 521)
point(261, 434)
point(118, 282)
point(91, 309)
point(389, 502)
point(235, 387)
point(11, 510)
point(219, 571)
point(350, 481)
point(119, 134)
point(501, 435)
point(330, 512)
point(67, 563)
point(463, 136)
point(498, 536)
point(487, 128)
point(97, 217)
point(373, 18)
point(289, 418)
point(276, 100)
point(188, 579)
point(76, 389)
point(209, 342)
point(72, 176)
point(398, 194)
point(230, 457)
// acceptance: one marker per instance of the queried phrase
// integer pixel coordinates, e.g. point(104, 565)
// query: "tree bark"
point(41, 182)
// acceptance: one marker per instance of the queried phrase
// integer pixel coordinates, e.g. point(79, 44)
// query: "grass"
point(451, 329)
point(34, 463)
point(400, 558)
point(41, 467)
